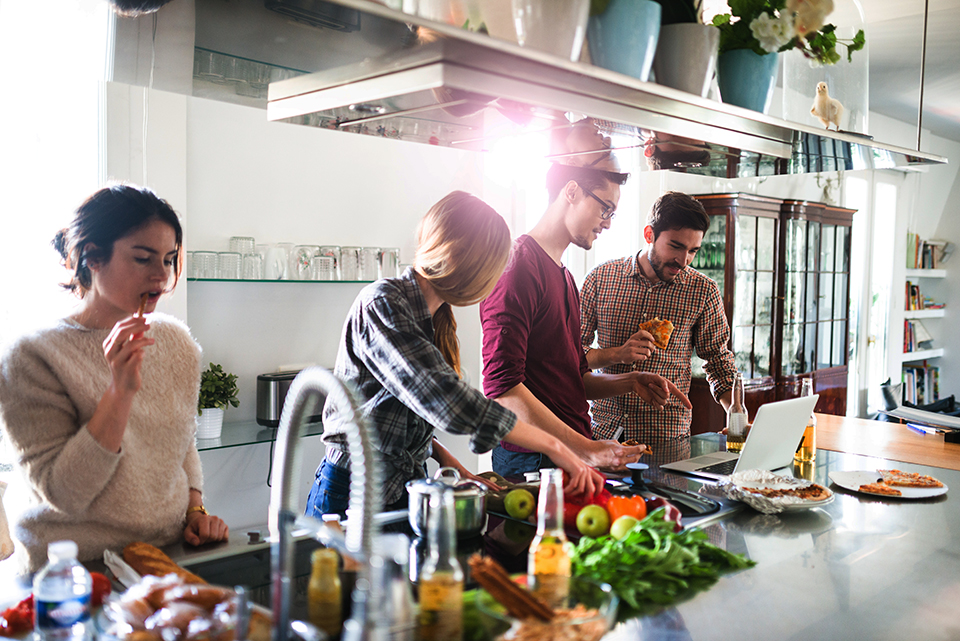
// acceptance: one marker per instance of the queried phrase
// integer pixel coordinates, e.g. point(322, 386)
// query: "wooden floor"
point(894, 441)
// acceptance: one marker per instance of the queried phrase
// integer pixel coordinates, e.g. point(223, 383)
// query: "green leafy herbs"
point(653, 566)
point(217, 389)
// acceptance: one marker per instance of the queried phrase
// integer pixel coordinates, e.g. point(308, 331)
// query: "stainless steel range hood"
point(447, 86)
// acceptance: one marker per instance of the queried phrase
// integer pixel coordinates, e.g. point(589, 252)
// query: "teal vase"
point(746, 79)
point(624, 37)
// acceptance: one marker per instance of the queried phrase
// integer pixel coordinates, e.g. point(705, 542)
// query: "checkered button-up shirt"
point(405, 387)
point(614, 300)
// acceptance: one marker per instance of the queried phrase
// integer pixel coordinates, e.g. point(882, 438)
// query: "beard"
point(658, 266)
point(582, 242)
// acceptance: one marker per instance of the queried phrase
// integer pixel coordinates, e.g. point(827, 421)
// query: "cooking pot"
point(469, 502)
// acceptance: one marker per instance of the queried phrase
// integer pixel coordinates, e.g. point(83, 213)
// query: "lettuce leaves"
point(652, 566)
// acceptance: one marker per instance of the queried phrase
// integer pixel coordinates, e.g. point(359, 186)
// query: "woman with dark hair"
point(99, 408)
point(399, 350)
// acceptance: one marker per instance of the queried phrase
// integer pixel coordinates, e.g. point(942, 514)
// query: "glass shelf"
point(273, 280)
point(249, 433)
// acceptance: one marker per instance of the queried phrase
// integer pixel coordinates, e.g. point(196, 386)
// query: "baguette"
point(148, 559)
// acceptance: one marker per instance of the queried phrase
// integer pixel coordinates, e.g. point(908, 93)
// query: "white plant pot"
point(210, 423)
point(686, 57)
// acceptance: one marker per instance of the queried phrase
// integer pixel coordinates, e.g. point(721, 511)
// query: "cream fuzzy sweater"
point(50, 384)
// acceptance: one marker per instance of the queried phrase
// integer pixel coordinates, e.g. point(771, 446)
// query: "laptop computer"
point(777, 431)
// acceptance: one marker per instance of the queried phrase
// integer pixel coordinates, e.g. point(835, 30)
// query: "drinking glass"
point(369, 263)
point(191, 266)
point(253, 266)
point(229, 265)
point(389, 262)
point(333, 251)
point(242, 244)
point(303, 254)
point(321, 268)
point(290, 270)
point(350, 263)
point(207, 264)
point(274, 262)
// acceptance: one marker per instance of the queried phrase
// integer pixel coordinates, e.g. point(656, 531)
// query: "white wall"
point(230, 172)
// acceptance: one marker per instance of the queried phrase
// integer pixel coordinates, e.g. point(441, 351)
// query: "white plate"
point(853, 480)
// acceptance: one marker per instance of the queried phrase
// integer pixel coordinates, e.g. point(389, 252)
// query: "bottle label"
point(52, 615)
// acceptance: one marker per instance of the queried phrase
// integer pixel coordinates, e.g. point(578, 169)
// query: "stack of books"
point(926, 254)
point(921, 385)
point(915, 337)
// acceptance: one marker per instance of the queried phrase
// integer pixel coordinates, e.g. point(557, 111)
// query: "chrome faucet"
point(309, 388)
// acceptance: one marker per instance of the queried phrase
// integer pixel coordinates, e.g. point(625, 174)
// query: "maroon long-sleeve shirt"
point(531, 335)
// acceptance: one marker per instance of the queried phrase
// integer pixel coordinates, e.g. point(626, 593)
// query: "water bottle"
point(62, 594)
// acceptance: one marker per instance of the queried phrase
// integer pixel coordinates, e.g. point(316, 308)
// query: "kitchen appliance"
point(271, 392)
point(470, 502)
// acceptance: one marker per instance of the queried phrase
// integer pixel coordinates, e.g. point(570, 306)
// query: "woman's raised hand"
point(123, 349)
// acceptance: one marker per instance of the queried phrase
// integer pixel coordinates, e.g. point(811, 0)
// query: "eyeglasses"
point(609, 209)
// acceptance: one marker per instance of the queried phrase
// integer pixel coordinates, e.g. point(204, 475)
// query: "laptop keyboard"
point(725, 467)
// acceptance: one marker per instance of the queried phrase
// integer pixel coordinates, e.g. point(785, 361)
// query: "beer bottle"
point(441, 580)
point(736, 417)
point(807, 450)
point(548, 565)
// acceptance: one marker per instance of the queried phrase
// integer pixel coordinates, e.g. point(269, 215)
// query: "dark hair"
point(676, 210)
point(134, 8)
point(589, 177)
point(105, 217)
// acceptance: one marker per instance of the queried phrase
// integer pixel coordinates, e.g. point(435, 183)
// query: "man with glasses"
point(656, 283)
point(532, 360)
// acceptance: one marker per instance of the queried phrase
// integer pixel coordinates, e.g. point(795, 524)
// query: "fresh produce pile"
point(651, 565)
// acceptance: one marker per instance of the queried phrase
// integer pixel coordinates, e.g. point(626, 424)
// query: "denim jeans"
point(330, 493)
point(516, 464)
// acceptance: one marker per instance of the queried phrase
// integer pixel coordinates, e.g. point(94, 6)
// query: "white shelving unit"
point(926, 273)
point(924, 313)
point(923, 354)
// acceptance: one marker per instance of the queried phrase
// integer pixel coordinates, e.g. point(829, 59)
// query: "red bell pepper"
point(18, 619)
point(633, 506)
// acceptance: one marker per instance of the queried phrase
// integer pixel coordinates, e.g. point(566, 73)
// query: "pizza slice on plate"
point(908, 479)
point(880, 488)
point(660, 329)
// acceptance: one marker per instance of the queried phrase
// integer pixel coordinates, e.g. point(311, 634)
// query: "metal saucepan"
point(470, 502)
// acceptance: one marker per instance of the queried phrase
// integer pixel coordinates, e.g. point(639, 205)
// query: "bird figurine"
point(828, 110)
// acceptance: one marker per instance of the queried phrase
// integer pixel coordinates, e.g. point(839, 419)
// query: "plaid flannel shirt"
point(405, 387)
point(614, 300)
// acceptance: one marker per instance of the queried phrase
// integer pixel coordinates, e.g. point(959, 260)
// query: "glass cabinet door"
point(794, 302)
point(711, 261)
point(754, 295)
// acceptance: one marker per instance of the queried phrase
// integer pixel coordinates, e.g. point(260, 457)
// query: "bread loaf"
point(148, 559)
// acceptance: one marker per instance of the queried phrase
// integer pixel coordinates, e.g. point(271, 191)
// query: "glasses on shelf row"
point(286, 261)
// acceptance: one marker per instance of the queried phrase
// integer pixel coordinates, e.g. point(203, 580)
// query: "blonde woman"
point(399, 349)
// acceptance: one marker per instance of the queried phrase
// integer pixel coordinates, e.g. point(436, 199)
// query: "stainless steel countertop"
point(859, 568)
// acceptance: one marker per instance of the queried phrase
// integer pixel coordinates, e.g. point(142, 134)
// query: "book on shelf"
point(915, 337)
point(921, 384)
point(926, 254)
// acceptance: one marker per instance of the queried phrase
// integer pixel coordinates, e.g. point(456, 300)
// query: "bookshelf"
point(920, 371)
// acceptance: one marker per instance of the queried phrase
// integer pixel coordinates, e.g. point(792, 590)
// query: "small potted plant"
point(218, 389)
point(622, 35)
point(686, 55)
point(756, 30)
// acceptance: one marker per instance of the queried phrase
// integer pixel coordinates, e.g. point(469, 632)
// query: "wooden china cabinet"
point(784, 269)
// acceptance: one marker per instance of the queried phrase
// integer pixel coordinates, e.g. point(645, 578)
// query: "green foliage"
point(819, 45)
point(652, 566)
point(671, 11)
point(217, 389)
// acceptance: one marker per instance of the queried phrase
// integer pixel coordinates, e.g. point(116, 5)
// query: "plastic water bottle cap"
point(62, 550)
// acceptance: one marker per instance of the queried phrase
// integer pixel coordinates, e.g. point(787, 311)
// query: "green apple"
point(593, 521)
point(622, 526)
point(519, 503)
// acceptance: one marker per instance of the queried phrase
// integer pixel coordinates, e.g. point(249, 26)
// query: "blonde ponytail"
point(445, 336)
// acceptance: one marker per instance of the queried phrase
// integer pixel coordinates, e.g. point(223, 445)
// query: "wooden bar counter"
point(893, 441)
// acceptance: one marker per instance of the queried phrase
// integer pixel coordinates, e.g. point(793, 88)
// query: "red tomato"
point(101, 588)
point(570, 512)
point(17, 619)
